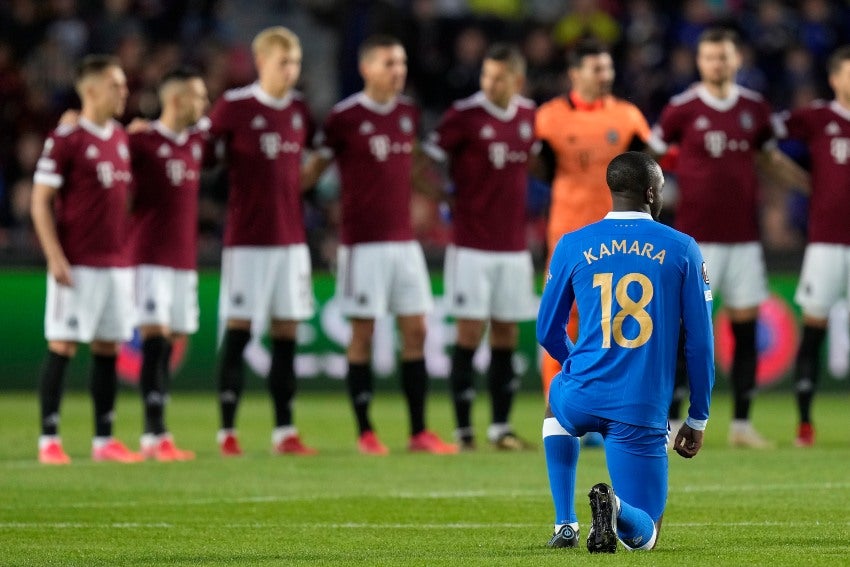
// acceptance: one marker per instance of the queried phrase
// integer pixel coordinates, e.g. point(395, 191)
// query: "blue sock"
point(634, 526)
point(561, 458)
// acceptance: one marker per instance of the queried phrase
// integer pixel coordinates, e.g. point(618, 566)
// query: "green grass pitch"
point(726, 507)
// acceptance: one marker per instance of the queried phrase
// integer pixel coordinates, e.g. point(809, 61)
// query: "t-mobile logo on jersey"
point(500, 155)
point(839, 149)
point(271, 145)
point(381, 147)
point(107, 175)
point(175, 169)
point(716, 143)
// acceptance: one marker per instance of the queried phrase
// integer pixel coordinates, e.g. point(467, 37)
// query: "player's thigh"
point(468, 284)
point(246, 280)
point(410, 286)
point(154, 294)
point(292, 296)
point(637, 464)
point(823, 279)
point(184, 307)
point(72, 312)
point(364, 276)
point(118, 317)
point(513, 296)
point(746, 277)
point(574, 420)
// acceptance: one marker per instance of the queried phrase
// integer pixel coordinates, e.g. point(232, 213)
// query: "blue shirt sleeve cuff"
point(696, 424)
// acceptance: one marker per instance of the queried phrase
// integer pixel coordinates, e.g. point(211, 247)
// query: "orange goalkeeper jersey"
point(585, 138)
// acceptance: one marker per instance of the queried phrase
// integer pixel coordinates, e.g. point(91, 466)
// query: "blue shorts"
point(636, 456)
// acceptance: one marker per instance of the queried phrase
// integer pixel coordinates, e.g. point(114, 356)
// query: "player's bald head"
point(632, 173)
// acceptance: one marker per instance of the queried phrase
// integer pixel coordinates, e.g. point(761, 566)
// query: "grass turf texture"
point(786, 506)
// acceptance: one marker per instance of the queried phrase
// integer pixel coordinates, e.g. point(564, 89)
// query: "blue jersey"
point(635, 282)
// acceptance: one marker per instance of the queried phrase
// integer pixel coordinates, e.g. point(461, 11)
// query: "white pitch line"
point(395, 526)
point(410, 495)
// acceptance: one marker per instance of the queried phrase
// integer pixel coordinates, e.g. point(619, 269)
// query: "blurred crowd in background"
point(785, 48)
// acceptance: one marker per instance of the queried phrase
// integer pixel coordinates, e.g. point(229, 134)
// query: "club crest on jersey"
point(48, 147)
point(297, 121)
point(525, 131)
point(406, 124)
point(258, 123)
point(832, 129)
point(612, 136)
point(746, 120)
point(487, 132)
point(123, 152)
point(704, 273)
point(92, 152)
point(702, 123)
point(163, 151)
point(366, 128)
point(197, 152)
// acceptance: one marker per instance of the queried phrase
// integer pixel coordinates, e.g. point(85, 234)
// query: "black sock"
point(104, 388)
point(807, 370)
point(680, 387)
point(500, 378)
point(231, 374)
point(282, 380)
point(414, 383)
point(359, 382)
point(151, 383)
point(50, 391)
point(744, 367)
point(462, 379)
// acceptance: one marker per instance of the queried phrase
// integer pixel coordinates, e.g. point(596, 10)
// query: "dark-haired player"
point(166, 161)
point(381, 268)
point(487, 140)
point(79, 210)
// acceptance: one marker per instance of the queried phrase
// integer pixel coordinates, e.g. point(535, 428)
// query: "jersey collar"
point(377, 107)
point(503, 114)
point(178, 139)
point(580, 104)
point(719, 104)
point(265, 98)
point(839, 110)
point(628, 215)
point(104, 133)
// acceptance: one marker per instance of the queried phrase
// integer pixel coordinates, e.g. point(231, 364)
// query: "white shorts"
point(166, 296)
point(824, 278)
point(98, 307)
point(377, 278)
point(737, 273)
point(485, 285)
point(262, 282)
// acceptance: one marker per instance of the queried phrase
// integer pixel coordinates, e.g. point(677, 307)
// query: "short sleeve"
point(55, 159)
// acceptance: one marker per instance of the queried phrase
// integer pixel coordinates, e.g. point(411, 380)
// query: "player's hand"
point(60, 269)
point(138, 125)
point(688, 441)
point(69, 118)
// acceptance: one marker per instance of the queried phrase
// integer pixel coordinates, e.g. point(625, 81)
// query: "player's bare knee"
point(469, 332)
point(105, 348)
point(504, 334)
point(284, 329)
point(239, 324)
point(63, 348)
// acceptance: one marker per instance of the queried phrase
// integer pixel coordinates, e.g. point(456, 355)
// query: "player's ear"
point(650, 195)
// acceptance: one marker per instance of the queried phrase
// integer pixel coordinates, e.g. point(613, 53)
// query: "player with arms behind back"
point(166, 160)
point(79, 210)
point(488, 140)
point(634, 280)
point(265, 266)
point(825, 128)
point(381, 268)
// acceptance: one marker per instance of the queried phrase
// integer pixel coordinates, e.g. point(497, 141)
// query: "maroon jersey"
point(718, 142)
point(263, 139)
point(90, 167)
point(166, 174)
point(488, 148)
point(373, 145)
point(825, 128)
